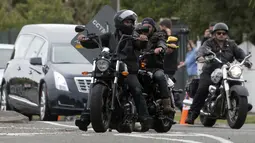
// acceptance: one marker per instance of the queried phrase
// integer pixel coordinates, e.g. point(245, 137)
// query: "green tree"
point(198, 13)
point(9, 17)
point(46, 11)
point(84, 10)
point(32, 12)
point(152, 8)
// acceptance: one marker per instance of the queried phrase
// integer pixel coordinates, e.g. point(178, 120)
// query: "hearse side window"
point(34, 47)
point(21, 45)
point(43, 53)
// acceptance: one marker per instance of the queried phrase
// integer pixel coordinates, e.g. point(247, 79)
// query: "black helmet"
point(220, 26)
point(122, 15)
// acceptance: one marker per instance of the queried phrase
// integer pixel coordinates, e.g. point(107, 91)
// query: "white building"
point(249, 74)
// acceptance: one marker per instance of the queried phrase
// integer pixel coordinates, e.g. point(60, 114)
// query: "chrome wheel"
point(42, 105)
point(3, 101)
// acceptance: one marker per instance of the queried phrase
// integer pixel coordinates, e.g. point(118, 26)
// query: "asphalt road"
point(67, 132)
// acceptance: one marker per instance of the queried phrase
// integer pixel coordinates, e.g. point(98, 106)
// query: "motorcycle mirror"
point(209, 57)
point(79, 28)
point(142, 29)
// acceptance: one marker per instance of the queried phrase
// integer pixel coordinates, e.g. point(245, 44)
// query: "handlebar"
point(245, 59)
point(213, 56)
point(151, 52)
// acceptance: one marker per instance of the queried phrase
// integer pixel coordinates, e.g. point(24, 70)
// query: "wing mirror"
point(36, 61)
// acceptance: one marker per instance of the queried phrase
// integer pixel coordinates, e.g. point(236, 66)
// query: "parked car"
point(5, 55)
point(44, 76)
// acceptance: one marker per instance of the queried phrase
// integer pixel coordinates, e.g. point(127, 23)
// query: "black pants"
point(177, 99)
point(160, 79)
point(136, 90)
point(202, 93)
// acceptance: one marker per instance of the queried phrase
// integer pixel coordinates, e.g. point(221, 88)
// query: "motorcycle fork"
point(114, 85)
point(92, 82)
point(172, 97)
point(226, 87)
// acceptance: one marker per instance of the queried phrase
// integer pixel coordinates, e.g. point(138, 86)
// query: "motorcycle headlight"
point(102, 65)
point(235, 71)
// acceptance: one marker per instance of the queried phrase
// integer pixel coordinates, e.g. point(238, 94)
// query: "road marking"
point(61, 125)
point(30, 134)
point(215, 138)
point(157, 138)
point(29, 128)
point(68, 126)
point(176, 134)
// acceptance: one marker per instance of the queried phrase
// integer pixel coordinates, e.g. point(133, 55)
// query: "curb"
point(12, 117)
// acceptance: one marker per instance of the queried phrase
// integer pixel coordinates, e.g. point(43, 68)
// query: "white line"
point(68, 126)
point(171, 135)
point(61, 125)
point(176, 134)
point(157, 138)
point(29, 134)
point(29, 128)
point(216, 138)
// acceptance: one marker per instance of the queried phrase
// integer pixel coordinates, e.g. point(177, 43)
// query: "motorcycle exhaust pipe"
point(204, 113)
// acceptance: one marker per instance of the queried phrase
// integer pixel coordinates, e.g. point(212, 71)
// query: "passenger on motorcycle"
point(124, 21)
point(157, 42)
point(227, 51)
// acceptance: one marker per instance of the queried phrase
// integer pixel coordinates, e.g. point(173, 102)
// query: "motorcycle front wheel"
point(100, 114)
point(163, 125)
point(237, 116)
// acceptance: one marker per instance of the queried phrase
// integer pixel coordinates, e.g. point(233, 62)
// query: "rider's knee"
point(138, 91)
point(159, 75)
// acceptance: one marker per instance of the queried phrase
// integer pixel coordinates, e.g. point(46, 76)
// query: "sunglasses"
point(219, 33)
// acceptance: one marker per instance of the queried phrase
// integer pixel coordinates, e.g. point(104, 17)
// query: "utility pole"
point(115, 4)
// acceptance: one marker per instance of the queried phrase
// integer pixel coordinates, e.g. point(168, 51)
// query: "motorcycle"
point(109, 102)
point(161, 121)
point(227, 97)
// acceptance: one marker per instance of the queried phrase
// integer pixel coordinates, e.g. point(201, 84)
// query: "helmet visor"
point(128, 13)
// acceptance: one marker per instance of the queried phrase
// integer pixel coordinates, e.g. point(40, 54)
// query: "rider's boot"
point(83, 121)
point(166, 103)
point(191, 117)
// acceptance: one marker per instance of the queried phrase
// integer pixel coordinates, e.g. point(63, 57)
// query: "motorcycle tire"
point(100, 118)
point(163, 125)
point(242, 106)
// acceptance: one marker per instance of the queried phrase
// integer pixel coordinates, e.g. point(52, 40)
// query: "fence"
point(9, 36)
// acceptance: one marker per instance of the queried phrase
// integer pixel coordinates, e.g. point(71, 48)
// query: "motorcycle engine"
point(216, 75)
point(152, 108)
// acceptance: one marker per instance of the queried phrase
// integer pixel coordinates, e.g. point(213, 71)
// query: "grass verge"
point(249, 120)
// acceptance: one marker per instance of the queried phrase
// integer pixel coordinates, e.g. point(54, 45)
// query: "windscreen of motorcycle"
point(216, 75)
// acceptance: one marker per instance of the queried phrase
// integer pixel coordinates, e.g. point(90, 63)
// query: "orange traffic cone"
point(185, 109)
point(59, 118)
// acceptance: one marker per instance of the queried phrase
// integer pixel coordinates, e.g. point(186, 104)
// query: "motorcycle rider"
point(208, 32)
point(157, 42)
point(124, 23)
point(171, 58)
point(224, 48)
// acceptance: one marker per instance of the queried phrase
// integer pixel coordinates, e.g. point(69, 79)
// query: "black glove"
point(248, 64)
point(91, 35)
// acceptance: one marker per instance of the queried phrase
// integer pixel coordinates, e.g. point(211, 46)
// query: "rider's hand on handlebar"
point(142, 37)
point(158, 50)
point(248, 64)
point(81, 37)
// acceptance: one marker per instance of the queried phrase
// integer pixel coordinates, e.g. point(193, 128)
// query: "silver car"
point(5, 55)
